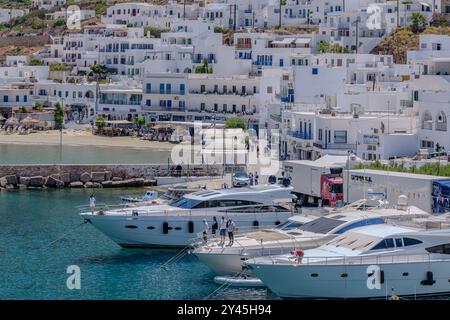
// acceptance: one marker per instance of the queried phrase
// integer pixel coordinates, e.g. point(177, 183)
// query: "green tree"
point(100, 122)
point(35, 62)
point(235, 123)
point(37, 105)
point(23, 110)
point(418, 22)
point(204, 68)
point(139, 122)
point(59, 116)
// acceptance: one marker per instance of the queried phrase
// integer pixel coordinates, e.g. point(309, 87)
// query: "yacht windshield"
point(289, 225)
point(321, 225)
point(185, 203)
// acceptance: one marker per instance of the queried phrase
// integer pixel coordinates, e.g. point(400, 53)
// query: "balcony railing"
point(427, 125)
point(301, 135)
point(121, 103)
point(441, 126)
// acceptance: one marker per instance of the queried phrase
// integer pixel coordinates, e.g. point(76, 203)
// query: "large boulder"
point(11, 179)
point(65, 177)
point(108, 175)
point(88, 185)
point(138, 182)
point(52, 182)
point(76, 184)
point(85, 177)
point(116, 179)
point(97, 176)
point(3, 182)
point(24, 180)
point(107, 184)
point(36, 181)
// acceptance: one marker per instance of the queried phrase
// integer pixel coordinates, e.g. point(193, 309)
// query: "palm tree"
point(418, 22)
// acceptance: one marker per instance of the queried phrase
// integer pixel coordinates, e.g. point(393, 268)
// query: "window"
point(398, 242)
point(148, 103)
point(384, 244)
point(161, 88)
point(442, 249)
point(182, 88)
point(315, 71)
point(340, 136)
point(410, 242)
point(17, 98)
point(148, 88)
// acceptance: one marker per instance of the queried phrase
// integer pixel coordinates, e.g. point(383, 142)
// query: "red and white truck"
point(317, 182)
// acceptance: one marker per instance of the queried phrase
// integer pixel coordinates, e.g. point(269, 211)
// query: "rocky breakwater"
point(95, 179)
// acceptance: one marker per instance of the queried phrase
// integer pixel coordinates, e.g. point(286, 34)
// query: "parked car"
point(240, 179)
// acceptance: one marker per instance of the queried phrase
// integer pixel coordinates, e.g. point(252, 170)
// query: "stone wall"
point(95, 176)
point(25, 41)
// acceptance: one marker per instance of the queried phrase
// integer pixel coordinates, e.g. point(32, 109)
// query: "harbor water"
point(34, 262)
point(50, 154)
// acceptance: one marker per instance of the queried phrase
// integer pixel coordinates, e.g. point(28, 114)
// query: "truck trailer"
point(429, 193)
point(316, 182)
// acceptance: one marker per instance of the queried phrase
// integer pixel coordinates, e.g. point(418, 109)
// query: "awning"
point(118, 122)
point(303, 41)
point(425, 4)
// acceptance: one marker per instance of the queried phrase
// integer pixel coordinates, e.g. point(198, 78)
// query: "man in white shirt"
point(92, 203)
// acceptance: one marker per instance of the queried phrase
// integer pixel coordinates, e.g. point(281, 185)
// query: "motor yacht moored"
point(300, 231)
point(176, 224)
point(378, 261)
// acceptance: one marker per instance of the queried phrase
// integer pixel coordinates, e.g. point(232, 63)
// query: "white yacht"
point(176, 224)
point(300, 231)
point(378, 261)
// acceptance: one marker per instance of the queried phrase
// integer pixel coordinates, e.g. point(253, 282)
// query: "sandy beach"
point(81, 138)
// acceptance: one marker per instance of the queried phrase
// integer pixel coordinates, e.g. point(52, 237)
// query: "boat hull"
point(330, 282)
point(148, 231)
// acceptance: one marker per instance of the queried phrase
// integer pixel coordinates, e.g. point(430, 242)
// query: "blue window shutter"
point(315, 71)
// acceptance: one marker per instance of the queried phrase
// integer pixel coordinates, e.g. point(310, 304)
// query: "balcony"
point(121, 102)
point(427, 125)
point(441, 126)
point(335, 146)
point(300, 135)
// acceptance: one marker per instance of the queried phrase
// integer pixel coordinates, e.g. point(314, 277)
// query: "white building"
point(6, 15)
point(48, 4)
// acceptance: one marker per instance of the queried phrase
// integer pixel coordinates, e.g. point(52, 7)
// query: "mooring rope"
point(62, 236)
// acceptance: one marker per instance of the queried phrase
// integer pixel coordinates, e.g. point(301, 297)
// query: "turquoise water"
point(32, 268)
point(50, 154)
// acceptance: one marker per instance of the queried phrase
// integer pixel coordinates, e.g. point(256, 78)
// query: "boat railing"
point(268, 247)
point(361, 260)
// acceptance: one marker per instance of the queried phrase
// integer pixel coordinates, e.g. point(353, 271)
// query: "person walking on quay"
point(205, 230)
point(222, 230)
point(231, 228)
point(92, 203)
point(250, 177)
point(214, 226)
point(256, 178)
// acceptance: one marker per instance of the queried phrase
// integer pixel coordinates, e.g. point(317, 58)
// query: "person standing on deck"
point(214, 226)
point(231, 228)
point(92, 203)
point(222, 230)
point(205, 230)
